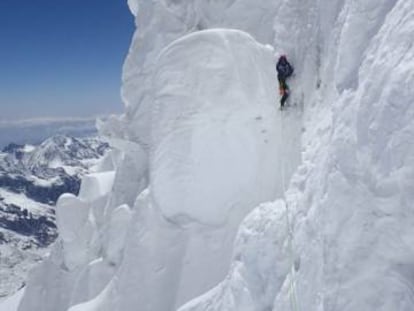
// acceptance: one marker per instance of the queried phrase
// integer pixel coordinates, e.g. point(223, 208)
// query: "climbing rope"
point(292, 286)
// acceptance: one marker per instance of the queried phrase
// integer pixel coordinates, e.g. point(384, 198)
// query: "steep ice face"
point(369, 185)
point(260, 264)
point(190, 216)
point(350, 201)
point(214, 134)
point(208, 159)
point(213, 131)
point(161, 22)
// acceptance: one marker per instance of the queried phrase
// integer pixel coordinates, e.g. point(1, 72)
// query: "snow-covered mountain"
point(31, 180)
point(44, 172)
point(35, 131)
point(218, 201)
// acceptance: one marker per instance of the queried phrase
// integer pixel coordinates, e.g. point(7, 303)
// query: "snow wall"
point(202, 144)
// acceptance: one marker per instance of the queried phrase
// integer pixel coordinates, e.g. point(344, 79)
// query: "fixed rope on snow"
point(292, 286)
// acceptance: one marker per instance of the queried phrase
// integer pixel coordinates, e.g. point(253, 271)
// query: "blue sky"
point(62, 58)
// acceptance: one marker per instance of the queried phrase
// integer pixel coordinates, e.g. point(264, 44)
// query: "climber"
point(284, 71)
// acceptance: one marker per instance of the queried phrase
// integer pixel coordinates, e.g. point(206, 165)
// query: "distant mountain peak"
point(31, 180)
point(12, 147)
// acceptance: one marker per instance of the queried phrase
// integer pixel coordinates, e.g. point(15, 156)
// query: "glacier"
point(213, 199)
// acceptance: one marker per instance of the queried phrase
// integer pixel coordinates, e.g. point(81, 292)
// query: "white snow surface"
point(327, 185)
point(20, 199)
point(12, 302)
point(218, 123)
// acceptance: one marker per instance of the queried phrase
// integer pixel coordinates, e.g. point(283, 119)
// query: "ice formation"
point(202, 145)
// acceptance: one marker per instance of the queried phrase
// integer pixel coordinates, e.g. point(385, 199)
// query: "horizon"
point(62, 60)
point(50, 119)
point(34, 131)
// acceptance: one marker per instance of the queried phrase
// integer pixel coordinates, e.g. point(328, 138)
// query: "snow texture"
point(327, 184)
point(12, 302)
point(218, 123)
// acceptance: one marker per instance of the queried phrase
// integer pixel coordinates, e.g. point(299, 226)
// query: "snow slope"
point(202, 144)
